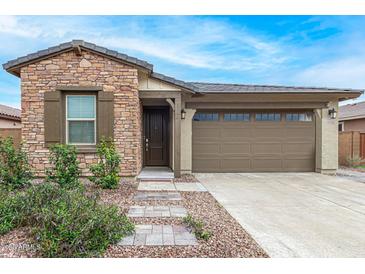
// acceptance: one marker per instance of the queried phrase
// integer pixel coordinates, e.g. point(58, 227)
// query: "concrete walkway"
point(295, 214)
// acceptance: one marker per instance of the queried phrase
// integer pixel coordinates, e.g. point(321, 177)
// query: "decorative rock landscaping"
point(228, 238)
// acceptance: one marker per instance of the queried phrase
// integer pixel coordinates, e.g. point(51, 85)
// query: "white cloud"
point(10, 25)
point(195, 42)
point(346, 72)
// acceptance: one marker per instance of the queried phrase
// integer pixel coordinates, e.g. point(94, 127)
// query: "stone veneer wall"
point(68, 69)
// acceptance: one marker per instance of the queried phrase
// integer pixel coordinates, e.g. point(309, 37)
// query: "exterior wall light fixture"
point(183, 114)
point(332, 113)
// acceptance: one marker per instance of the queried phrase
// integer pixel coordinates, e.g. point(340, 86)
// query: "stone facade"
point(89, 69)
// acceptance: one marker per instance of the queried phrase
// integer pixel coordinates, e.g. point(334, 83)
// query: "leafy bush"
point(65, 171)
point(198, 227)
point(105, 172)
point(15, 171)
point(71, 224)
point(354, 161)
point(11, 210)
point(64, 222)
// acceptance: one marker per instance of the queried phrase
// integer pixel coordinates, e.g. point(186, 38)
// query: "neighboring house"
point(352, 117)
point(9, 117)
point(78, 92)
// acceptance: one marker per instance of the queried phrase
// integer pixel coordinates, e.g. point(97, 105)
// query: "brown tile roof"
point(352, 111)
point(9, 112)
point(242, 88)
point(10, 65)
point(13, 67)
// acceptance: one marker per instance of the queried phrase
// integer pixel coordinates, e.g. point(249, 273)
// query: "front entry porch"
point(161, 138)
point(156, 173)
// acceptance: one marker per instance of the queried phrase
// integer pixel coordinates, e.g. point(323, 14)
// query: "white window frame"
point(342, 126)
point(81, 120)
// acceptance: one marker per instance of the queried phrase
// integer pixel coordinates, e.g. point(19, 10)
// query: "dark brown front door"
point(156, 121)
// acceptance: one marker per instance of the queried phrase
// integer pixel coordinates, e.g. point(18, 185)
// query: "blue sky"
point(285, 50)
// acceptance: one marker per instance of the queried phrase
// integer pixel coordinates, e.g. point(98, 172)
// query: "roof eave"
point(13, 66)
point(347, 94)
point(181, 84)
point(351, 117)
point(10, 117)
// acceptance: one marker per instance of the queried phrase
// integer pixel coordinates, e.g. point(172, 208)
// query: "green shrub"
point(71, 224)
point(65, 171)
point(11, 210)
point(354, 161)
point(15, 171)
point(64, 222)
point(198, 227)
point(105, 172)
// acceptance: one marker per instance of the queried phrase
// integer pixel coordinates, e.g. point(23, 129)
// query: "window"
point(81, 119)
point(302, 117)
point(341, 126)
point(268, 116)
point(205, 116)
point(236, 117)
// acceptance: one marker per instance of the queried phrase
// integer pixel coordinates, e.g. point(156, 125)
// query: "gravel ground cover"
point(186, 178)
point(17, 244)
point(228, 238)
point(357, 169)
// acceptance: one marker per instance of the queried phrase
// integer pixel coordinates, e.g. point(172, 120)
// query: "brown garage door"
point(253, 141)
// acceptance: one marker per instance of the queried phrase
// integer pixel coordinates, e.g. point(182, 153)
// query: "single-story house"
point(10, 123)
point(352, 117)
point(9, 117)
point(78, 92)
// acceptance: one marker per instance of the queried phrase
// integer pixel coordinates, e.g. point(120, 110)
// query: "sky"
point(321, 51)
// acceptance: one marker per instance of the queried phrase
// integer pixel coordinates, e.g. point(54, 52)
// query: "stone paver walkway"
point(152, 235)
point(167, 186)
point(157, 211)
point(190, 187)
point(156, 186)
point(162, 196)
point(160, 235)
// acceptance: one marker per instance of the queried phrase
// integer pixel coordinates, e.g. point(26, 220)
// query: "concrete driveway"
point(295, 214)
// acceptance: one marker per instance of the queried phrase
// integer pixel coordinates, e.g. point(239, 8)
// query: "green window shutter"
point(105, 115)
point(52, 117)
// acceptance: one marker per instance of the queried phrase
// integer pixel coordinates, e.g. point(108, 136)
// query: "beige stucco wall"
point(186, 141)
point(147, 83)
point(326, 140)
point(6, 123)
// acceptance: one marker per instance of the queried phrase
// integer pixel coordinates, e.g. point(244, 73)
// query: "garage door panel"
point(236, 132)
point(253, 146)
point(299, 133)
point(299, 148)
point(231, 165)
point(298, 164)
point(206, 132)
point(206, 165)
point(265, 164)
point(206, 148)
point(266, 148)
point(235, 148)
point(265, 133)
